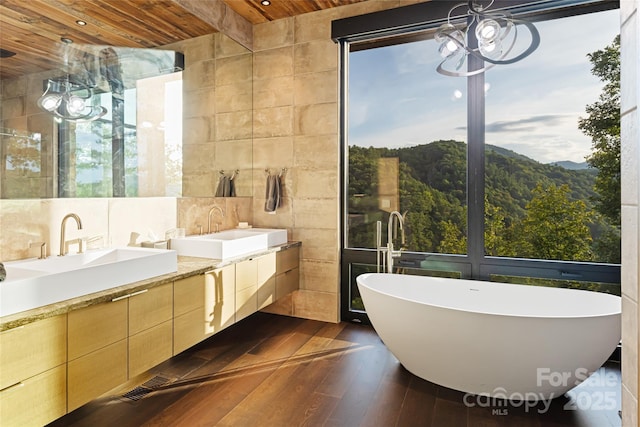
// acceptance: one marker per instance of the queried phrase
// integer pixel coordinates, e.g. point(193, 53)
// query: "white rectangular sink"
point(36, 283)
point(229, 243)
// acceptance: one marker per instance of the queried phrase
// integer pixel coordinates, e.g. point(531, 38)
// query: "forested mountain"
point(432, 185)
point(567, 164)
point(441, 165)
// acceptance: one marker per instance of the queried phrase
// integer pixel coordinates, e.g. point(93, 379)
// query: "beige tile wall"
point(630, 159)
point(295, 126)
point(217, 110)
point(193, 213)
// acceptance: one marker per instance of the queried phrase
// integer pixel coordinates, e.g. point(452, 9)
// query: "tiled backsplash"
point(111, 220)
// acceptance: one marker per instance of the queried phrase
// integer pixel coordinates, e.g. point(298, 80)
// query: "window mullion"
point(475, 159)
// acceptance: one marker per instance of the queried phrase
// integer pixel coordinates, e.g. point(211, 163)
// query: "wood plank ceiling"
point(33, 29)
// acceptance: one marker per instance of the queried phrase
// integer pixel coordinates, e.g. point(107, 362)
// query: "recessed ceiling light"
point(66, 40)
point(81, 22)
point(265, 2)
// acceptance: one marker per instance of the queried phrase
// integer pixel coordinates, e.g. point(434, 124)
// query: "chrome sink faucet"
point(63, 250)
point(211, 211)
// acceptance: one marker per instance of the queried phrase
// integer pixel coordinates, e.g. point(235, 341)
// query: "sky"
point(397, 99)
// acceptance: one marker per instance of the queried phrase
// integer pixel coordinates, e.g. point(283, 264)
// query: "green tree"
point(603, 126)
point(453, 241)
point(555, 227)
point(497, 236)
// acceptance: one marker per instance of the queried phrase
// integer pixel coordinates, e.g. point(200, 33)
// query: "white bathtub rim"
point(613, 313)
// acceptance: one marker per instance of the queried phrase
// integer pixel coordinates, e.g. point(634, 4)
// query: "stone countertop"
point(187, 267)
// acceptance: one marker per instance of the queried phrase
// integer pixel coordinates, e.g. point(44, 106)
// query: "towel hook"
point(267, 171)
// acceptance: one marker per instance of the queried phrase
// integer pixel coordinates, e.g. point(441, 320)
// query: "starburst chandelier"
point(496, 34)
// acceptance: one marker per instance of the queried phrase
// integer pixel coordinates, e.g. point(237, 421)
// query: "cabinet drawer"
point(188, 294)
point(267, 292)
point(34, 348)
point(220, 298)
point(96, 373)
point(246, 274)
point(36, 401)
point(150, 308)
point(266, 279)
point(189, 329)
point(287, 259)
point(266, 268)
point(246, 303)
point(150, 348)
point(96, 327)
point(287, 282)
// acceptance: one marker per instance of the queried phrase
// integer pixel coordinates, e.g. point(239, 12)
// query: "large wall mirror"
point(128, 122)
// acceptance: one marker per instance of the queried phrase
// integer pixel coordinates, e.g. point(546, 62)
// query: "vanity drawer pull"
point(133, 294)
point(16, 385)
point(138, 292)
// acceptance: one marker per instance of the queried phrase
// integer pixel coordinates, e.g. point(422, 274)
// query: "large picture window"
point(399, 160)
point(495, 181)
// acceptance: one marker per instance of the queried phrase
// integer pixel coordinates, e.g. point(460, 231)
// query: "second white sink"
point(229, 243)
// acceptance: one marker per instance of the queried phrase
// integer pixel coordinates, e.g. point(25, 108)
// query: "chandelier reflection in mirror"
point(70, 100)
point(496, 34)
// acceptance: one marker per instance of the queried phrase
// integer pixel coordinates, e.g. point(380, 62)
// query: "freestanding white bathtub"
point(501, 340)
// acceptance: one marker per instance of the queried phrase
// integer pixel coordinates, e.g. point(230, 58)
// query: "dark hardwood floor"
point(273, 370)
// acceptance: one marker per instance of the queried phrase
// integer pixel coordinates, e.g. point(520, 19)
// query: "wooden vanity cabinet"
point(246, 288)
point(263, 280)
point(150, 328)
point(203, 305)
point(220, 299)
point(53, 366)
point(188, 311)
point(97, 345)
point(287, 271)
point(266, 280)
point(117, 340)
point(33, 373)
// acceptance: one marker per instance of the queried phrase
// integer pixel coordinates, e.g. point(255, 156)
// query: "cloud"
point(528, 124)
point(396, 98)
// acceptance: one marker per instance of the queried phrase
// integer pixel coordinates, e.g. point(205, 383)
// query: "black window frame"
point(371, 30)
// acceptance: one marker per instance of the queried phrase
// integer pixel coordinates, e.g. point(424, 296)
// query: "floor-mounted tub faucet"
point(63, 250)
point(386, 254)
point(391, 254)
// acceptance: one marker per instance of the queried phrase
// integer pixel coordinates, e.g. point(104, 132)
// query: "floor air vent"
point(146, 388)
